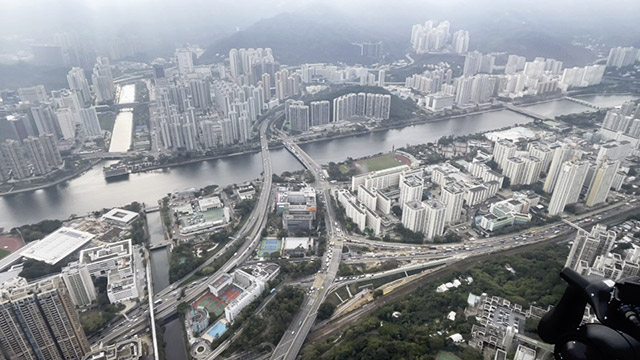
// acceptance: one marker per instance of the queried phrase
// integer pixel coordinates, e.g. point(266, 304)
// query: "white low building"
point(122, 286)
point(58, 245)
point(120, 217)
point(252, 285)
point(100, 260)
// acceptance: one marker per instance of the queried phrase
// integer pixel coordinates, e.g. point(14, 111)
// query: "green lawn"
point(443, 355)
point(343, 169)
point(378, 163)
point(4, 253)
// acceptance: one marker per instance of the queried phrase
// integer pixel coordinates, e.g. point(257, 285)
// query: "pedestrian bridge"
point(160, 245)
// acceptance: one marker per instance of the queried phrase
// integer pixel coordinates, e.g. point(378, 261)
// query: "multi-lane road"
point(249, 238)
point(166, 300)
point(294, 337)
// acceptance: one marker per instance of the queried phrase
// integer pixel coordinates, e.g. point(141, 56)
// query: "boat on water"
point(116, 171)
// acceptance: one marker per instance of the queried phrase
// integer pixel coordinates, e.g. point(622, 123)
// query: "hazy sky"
point(200, 21)
point(26, 15)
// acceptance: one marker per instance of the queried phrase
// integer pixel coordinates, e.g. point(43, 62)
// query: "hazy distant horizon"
point(163, 25)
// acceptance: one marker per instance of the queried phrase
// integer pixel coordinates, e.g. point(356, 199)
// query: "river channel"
point(91, 191)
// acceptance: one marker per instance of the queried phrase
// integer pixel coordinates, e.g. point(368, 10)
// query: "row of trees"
point(94, 319)
point(270, 325)
point(183, 260)
point(333, 169)
point(37, 231)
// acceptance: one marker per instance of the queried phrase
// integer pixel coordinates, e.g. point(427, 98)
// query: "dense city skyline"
point(341, 180)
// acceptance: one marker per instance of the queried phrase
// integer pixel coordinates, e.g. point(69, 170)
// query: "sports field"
point(380, 162)
point(210, 303)
point(269, 246)
point(443, 355)
point(10, 243)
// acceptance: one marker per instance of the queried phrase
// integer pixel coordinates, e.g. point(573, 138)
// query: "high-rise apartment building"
point(209, 138)
point(430, 37)
point(381, 75)
point(542, 152)
point(266, 86)
point(460, 42)
point(502, 150)
point(413, 215)
point(66, 123)
point(90, 122)
point(38, 321)
point(4, 168)
point(78, 281)
point(452, 196)
point(532, 170)
point(514, 170)
point(435, 216)
point(622, 56)
point(281, 81)
point(45, 119)
point(463, 87)
point(601, 181)
point(102, 80)
point(200, 94)
point(411, 188)
point(587, 246)
point(567, 189)
point(78, 83)
point(51, 150)
point(36, 154)
point(472, 63)
point(320, 112)
point(298, 115)
point(235, 66)
point(15, 159)
point(184, 58)
point(561, 154)
point(515, 63)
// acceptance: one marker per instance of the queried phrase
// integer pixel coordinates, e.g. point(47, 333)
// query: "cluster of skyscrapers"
point(255, 67)
point(480, 82)
point(625, 121)
point(568, 172)
point(430, 82)
point(33, 129)
point(194, 112)
point(591, 255)
point(33, 156)
point(375, 106)
point(432, 37)
point(39, 321)
point(623, 56)
point(301, 117)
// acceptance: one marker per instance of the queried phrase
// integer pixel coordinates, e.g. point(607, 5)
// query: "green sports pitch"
point(378, 163)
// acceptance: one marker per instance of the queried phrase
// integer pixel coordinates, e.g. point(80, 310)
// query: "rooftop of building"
point(120, 215)
point(291, 243)
point(58, 245)
point(434, 204)
point(106, 252)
